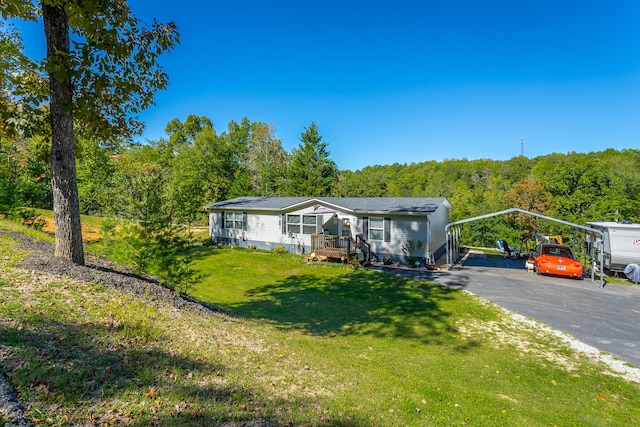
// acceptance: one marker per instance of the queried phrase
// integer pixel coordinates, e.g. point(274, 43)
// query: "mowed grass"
point(299, 344)
point(395, 351)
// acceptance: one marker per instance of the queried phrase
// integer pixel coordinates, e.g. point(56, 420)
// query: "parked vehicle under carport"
point(557, 260)
point(593, 254)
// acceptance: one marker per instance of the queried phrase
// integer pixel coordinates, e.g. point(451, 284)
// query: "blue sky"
point(407, 81)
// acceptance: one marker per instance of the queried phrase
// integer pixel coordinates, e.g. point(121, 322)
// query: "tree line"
point(574, 187)
point(67, 122)
point(195, 165)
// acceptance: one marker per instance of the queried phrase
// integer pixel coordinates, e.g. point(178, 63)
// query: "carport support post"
point(447, 250)
point(452, 240)
point(591, 239)
point(601, 262)
point(451, 245)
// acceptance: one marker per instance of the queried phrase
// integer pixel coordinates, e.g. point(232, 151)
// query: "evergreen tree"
point(311, 171)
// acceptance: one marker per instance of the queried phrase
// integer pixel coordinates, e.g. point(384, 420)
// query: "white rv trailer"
point(621, 243)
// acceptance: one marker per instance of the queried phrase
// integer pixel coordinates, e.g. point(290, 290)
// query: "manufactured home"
point(621, 243)
point(373, 228)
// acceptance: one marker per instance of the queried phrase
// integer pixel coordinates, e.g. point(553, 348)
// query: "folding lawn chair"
point(509, 251)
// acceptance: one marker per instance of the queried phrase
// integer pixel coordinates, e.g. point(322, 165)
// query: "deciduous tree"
point(182, 135)
point(530, 196)
point(266, 160)
point(100, 79)
point(201, 174)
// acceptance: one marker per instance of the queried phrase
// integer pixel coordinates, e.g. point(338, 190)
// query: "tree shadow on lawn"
point(68, 370)
point(68, 360)
point(358, 303)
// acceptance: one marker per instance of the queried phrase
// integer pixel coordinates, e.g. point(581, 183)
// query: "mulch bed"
point(104, 272)
point(96, 270)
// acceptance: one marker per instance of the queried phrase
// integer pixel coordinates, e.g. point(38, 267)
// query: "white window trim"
point(373, 219)
point(301, 225)
point(231, 220)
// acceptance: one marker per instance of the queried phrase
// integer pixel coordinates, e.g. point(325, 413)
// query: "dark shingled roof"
point(392, 205)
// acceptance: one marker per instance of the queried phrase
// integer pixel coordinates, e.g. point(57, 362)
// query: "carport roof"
point(588, 230)
point(512, 210)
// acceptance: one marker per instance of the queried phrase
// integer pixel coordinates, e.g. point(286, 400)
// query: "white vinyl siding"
point(385, 232)
point(439, 220)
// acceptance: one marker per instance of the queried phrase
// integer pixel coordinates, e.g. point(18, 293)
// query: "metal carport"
point(453, 235)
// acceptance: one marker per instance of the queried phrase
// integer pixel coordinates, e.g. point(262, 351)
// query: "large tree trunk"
point(66, 210)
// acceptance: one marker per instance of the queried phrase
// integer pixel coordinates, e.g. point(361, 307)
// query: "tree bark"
point(66, 210)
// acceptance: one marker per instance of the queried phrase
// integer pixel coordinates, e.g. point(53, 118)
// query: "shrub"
point(156, 248)
point(354, 262)
point(280, 249)
point(29, 217)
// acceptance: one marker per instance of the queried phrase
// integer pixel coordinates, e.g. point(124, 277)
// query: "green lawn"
point(404, 352)
point(318, 345)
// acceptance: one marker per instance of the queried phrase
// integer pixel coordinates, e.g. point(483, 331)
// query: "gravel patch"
point(10, 406)
point(617, 367)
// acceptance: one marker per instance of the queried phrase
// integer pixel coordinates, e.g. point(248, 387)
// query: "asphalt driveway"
point(606, 318)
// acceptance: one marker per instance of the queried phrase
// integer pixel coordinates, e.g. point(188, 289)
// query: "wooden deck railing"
point(340, 247)
point(364, 246)
point(333, 246)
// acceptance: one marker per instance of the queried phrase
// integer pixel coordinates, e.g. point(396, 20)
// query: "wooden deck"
point(338, 247)
point(335, 247)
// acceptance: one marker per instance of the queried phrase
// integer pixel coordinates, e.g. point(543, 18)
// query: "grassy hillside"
point(296, 345)
point(91, 226)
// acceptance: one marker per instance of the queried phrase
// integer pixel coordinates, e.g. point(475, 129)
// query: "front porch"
point(339, 247)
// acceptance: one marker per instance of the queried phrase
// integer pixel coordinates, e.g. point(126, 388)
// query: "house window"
point(308, 224)
point(346, 228)
point(293, 223)
point(376, 228)
point(305, 224)
point(233, 220)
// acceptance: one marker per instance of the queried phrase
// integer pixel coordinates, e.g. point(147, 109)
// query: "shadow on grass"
point(79, 371)
point(358, 303)
point(71, 359)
